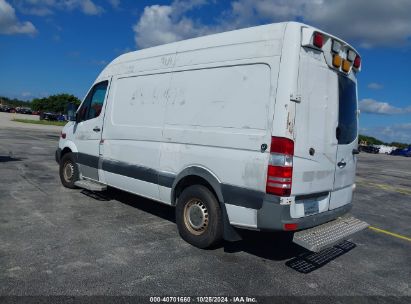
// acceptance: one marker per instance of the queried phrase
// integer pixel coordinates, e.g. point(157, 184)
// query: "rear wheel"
point(198, 217)
point(69, 173)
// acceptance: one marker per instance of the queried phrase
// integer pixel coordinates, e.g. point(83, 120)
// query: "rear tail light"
point(63, 135)
point(318, 40)
point(280, 166)
point(357, 62)
point(290, 226)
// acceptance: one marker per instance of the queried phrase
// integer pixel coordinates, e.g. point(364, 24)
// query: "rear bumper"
point(58, 155)
point(272, 216)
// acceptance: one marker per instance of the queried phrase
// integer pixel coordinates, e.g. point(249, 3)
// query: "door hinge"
point(295, 97)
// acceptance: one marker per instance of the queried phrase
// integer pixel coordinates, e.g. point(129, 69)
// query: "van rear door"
point(315, 145)
point(326, 126)
point(346, 135)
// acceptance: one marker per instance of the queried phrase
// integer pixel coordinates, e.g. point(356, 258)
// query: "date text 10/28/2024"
point(220, 299)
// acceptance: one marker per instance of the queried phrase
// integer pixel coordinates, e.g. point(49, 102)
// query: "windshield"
point(347, 117)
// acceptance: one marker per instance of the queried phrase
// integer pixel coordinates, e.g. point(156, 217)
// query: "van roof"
point(273, 31)
point(238, 36)
point(246, 35)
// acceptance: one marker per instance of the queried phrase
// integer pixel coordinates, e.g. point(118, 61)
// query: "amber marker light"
point(346, 66)
point(337, 61)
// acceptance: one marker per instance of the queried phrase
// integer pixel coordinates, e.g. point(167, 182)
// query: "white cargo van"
point(254, 128)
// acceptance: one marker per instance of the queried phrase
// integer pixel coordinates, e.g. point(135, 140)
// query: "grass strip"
point(41, 122)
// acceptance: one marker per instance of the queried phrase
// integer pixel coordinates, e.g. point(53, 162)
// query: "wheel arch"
point(195, 175)
point(68, 146)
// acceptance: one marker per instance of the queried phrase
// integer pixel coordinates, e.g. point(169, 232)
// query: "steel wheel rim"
point(68, 171)
point(196, 216)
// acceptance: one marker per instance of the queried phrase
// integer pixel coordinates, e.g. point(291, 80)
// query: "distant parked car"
point(385, 149)
point(61, 117)
point(35, 113)
point(23, 111)
point(5, 108)
point(48, 116)
point(369, 149)
point(402, 152)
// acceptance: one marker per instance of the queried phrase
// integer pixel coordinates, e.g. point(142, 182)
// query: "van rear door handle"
point(341, 164)
point(96, 129)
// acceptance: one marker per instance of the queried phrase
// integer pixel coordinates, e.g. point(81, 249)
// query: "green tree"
point(370, 140)
point(374, 141)
point(14, 102)
point(399, 145)
point(54, 103)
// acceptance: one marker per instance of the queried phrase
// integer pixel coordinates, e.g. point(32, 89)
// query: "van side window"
point(94, 101)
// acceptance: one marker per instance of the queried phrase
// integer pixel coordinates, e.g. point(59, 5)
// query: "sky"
point(60, 46)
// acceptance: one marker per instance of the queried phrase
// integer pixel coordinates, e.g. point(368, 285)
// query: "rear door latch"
point(341, 164)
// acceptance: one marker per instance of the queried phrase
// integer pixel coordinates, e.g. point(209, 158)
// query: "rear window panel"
point(347, 117)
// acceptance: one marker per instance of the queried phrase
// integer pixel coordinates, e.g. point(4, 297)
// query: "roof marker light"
point(337, 61)
point(346, 66)
point(351, 55)
point(318, 40)
point(357, 62)
point(336, 47)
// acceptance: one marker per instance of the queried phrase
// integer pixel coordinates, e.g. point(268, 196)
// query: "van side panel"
point(233, 97)
point(133, 132)
point(218, 119)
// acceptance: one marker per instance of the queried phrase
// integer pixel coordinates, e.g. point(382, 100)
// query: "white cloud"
point(121, 51)
point(252, 12)
point(99, 62)
point(161, 24)
point(88, 7)
point(10, 25)
point(375, 86)
point(381, 23)
point(36, 11)
point(369, 105)
point(47, 7)
point(392, 133)
point(115, 3)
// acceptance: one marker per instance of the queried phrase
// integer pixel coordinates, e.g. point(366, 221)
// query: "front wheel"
point(198, 217)
point(69, 172)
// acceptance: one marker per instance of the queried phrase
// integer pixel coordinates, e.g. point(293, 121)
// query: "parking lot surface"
point(6, 121)
point(56, 241)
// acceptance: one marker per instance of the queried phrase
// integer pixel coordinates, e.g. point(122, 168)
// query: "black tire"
point(198, 200)
point(68, 163)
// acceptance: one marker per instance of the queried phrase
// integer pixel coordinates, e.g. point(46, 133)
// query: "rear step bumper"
point(328, 234)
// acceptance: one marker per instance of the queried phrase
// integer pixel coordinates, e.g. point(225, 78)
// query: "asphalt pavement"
point(56, 241)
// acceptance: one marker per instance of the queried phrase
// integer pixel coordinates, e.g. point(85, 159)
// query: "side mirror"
point(71, 112)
